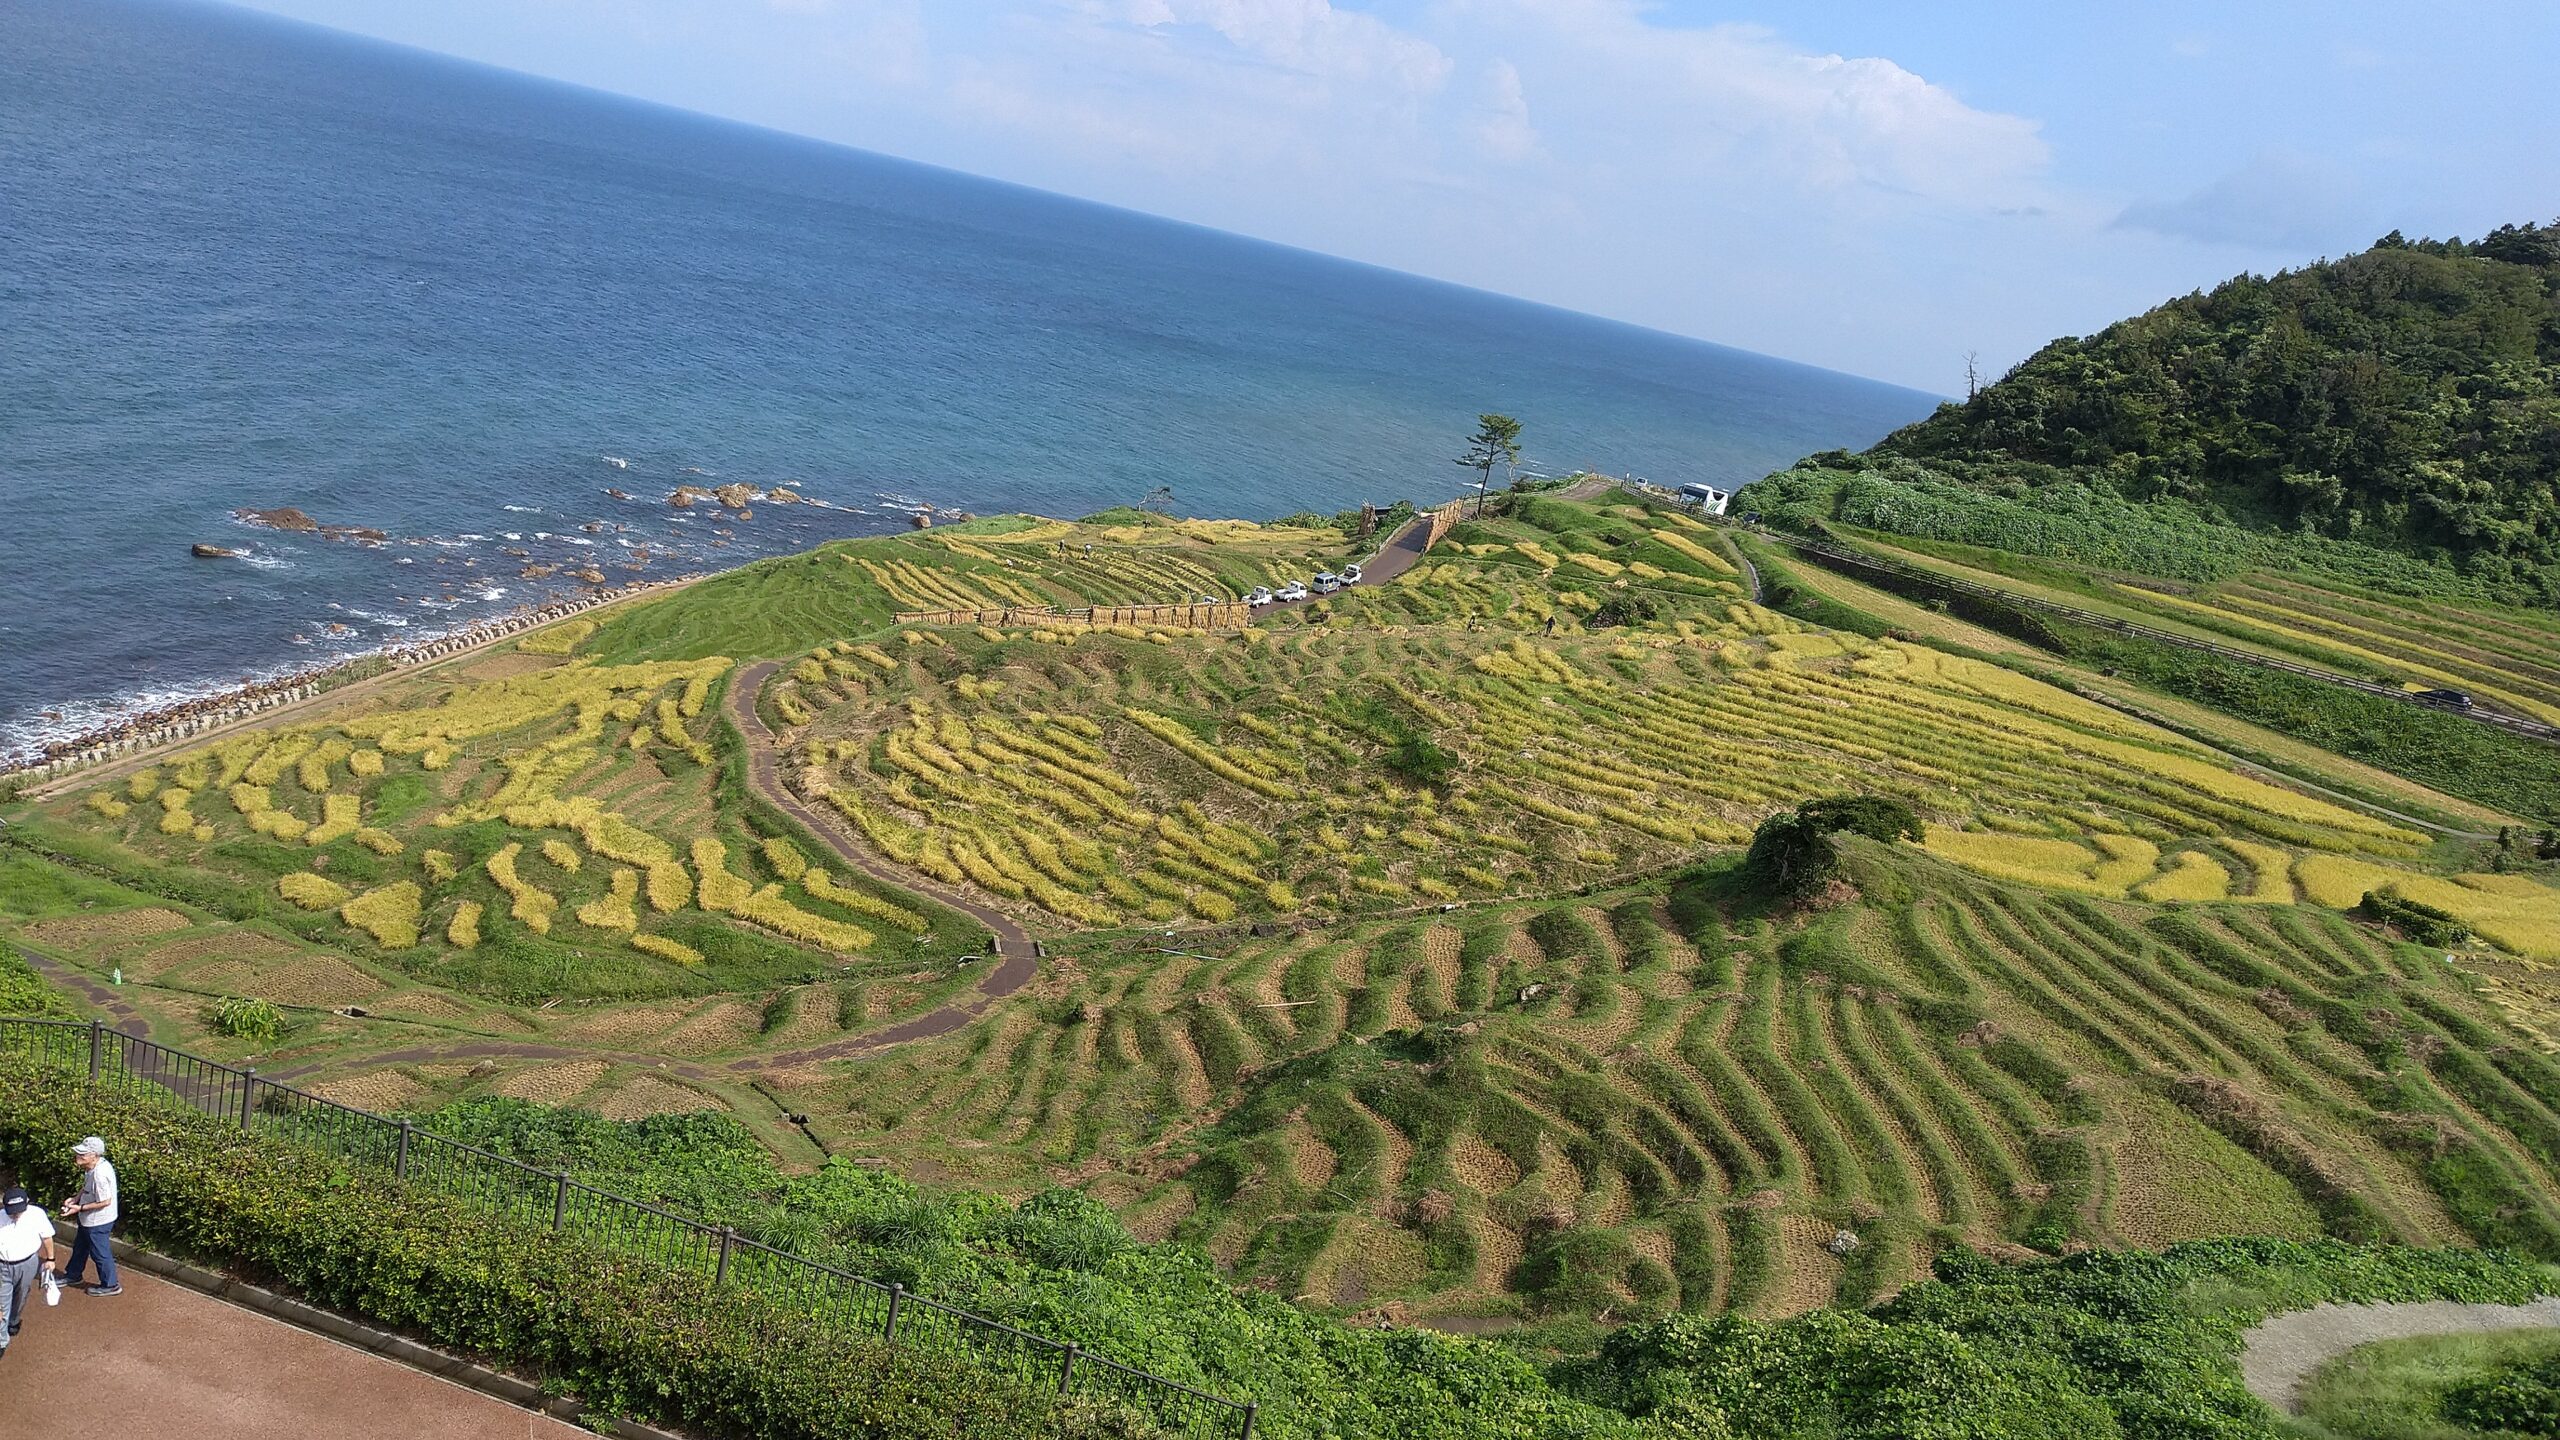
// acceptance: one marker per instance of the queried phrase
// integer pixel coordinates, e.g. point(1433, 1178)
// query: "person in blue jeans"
point(95, 1208)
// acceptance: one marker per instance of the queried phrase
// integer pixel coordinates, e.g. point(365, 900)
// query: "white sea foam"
point(523, 509)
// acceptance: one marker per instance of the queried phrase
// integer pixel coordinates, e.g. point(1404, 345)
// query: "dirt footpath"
point(2279, 1354)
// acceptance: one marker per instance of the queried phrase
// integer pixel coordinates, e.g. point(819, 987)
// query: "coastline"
point(39, 769)
point(186, 719)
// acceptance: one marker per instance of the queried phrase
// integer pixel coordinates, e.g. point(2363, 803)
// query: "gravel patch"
point(2279, 1354)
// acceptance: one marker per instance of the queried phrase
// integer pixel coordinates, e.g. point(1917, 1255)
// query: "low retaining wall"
point(146, 732)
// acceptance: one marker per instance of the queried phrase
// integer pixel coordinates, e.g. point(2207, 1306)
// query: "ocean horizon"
point(256, 265)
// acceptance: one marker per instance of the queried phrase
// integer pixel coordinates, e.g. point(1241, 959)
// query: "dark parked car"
point(2445, 699)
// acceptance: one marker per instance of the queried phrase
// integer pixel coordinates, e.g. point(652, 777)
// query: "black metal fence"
point(122, 1064)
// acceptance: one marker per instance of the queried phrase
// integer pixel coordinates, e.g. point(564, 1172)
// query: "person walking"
point(26, 1254)
point(95, 1207)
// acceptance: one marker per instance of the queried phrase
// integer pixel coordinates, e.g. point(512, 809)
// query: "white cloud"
point(1502, 126)
point(2278, 199)
point(1587, 153)
point(1309, 36)
point(1311, 93)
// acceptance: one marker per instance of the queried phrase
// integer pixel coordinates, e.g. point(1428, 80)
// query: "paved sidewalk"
point(163, 1360)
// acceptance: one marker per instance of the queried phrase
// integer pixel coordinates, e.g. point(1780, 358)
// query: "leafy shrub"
point(1060, 1264)
point(1627, 607)
point(256, 1021)
point(2522, 1398)
point(1420, 762)
point(629, 1335)
point(1877, 817)
point(1792, 855)
point(23, 991)
point(2422, 923)
point(2105, 1344)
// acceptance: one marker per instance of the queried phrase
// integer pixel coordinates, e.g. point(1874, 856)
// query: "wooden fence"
point(1198, 615)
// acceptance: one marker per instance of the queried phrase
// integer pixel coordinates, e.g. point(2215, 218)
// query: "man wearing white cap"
point(26, 1233)
point(95, 1206)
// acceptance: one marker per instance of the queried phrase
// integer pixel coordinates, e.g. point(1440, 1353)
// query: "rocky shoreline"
point(192, 717)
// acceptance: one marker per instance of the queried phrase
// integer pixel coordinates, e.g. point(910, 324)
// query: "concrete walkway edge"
point(399, 1349)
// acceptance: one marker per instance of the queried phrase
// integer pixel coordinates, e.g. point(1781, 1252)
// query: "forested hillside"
point(2407, 397)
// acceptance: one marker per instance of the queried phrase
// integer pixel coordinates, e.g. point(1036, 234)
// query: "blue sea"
point(248, 263)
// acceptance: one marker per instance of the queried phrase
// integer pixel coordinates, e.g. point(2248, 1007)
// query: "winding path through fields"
point(1016, 960)
point(2282, 1352)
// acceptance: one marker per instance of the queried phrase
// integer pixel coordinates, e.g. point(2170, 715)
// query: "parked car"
point(1259, 595)
point(1350, 574)
point(2445, 699)
point(1327, 582)
point(1293, 592)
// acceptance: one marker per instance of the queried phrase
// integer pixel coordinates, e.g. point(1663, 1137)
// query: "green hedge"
point(2101, 1346)
point(2523, 1398)
point(626, 1334)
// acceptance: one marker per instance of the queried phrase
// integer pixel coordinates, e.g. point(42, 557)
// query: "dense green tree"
point(2408, 397)
point(1793, 855)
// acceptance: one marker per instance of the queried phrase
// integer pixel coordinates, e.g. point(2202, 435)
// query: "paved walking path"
point(2280, 1353)
point(161, 1359)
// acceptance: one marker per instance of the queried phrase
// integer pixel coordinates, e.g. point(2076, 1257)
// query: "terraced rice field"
point(1097, 777)
point(1073, 566)
point(558, 830)
point(1597, 1107)
point(1382, 964)
point(2507, 660)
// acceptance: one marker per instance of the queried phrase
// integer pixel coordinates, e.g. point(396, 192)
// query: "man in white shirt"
point(95, 1207)
point(26, 1243)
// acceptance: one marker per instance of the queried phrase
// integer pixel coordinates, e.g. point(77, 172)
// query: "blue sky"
point(1874, 187)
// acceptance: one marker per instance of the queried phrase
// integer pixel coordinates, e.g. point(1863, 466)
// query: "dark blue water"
point(248, 263)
